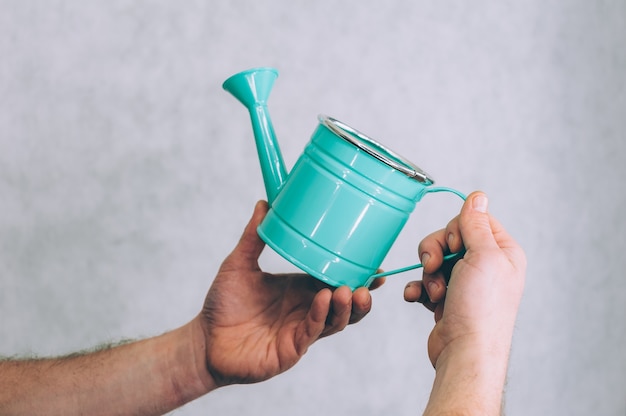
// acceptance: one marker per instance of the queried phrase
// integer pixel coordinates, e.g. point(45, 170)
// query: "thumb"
point(250, 245)
point(474, 223)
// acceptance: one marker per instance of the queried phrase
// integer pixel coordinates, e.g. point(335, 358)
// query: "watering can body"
point(339, 211)
point(341, 208)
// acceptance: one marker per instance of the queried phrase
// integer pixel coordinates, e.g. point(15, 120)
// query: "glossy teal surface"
point(252, 88)
point(340, 209)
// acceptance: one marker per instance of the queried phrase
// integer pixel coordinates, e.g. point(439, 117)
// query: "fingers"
point(437, 272)
point(250, 245)
point(340, 311)
point(378, 282)
point(361, 304)
point(345, 307)
point(478, 233)
point(435, 285)
point(330, 312)
point(474, 225)
point(315, 321)
point(416, 292)
point(471, 228)
point(475, 229)
point(431, 251)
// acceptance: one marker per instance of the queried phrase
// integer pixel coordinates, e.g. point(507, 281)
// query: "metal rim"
point(367, 144)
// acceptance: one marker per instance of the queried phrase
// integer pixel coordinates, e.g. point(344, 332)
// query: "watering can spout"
point(252, 89)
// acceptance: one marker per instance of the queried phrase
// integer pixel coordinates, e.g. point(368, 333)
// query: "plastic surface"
point(339, 211)
point(252, 88)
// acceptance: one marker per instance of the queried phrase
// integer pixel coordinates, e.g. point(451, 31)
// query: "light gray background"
point(127, 175)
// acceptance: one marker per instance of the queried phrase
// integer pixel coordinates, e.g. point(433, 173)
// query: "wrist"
point(470, 378)
point(195, 354)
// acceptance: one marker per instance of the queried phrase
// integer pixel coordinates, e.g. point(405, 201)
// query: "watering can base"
point(312, 258)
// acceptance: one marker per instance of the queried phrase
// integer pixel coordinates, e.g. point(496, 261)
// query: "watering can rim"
point(370, 146)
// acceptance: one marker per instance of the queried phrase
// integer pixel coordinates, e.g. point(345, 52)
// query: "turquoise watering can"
point(342, 206)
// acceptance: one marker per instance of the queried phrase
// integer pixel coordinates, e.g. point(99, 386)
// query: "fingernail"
point(450, 239)
point(425, 258)
point(432, 288)
point(479, 203)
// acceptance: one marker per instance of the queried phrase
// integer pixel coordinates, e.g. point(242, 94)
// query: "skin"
point(252, 326)
point(474, 312)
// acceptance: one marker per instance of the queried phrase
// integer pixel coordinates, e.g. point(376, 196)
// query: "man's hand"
point(475, 302)
point(258, 325)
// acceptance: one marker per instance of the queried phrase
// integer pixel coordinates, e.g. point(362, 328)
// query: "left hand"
point(258, 325)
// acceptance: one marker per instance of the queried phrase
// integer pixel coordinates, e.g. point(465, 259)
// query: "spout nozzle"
point(252, 87)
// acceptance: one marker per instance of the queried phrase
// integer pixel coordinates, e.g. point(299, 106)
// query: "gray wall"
point(127, 175)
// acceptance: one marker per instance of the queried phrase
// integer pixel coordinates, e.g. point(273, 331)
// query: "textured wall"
point(127, 175)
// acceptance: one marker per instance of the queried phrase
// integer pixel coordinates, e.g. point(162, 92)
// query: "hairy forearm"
point(148, 377)
point(469, 381)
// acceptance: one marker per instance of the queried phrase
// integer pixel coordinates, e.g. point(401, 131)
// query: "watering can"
point(346, 199)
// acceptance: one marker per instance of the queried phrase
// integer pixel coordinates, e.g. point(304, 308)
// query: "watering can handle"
point(447, 257)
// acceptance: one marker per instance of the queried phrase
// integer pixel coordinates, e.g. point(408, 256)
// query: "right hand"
point(479, 306)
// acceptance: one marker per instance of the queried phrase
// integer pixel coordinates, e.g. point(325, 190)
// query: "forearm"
point(469, 380)
point(148, 377)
